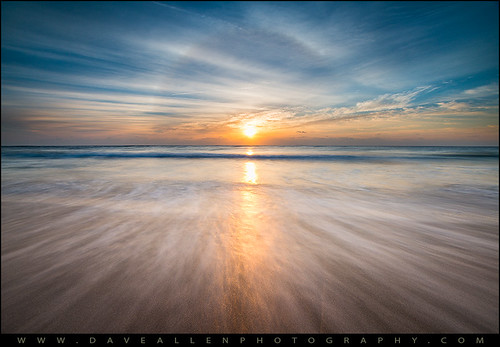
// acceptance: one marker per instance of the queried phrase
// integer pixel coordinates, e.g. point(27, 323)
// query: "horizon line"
point(241, 145)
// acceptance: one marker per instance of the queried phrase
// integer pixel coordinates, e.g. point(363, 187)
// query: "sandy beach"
point(238, 246)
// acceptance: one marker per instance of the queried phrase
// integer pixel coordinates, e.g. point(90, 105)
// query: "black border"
point(247, 340)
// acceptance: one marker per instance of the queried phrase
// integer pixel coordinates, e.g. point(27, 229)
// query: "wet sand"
point(233, 266)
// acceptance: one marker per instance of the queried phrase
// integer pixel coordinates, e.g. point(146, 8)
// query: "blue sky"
point(362, 73)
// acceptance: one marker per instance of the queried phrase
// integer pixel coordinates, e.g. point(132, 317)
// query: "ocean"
point(241, 239)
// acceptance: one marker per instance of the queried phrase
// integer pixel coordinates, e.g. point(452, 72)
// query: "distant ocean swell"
point(200, 155)
point(124, 153)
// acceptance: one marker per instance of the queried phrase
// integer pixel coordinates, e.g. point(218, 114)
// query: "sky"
point(249, 73)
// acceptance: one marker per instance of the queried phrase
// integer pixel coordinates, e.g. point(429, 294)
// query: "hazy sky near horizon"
point(311, 73)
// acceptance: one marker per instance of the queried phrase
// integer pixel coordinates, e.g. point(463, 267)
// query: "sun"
point(250, 131)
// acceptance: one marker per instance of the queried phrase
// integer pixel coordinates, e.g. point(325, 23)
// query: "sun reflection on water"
point(247, 257)
point(250, 173)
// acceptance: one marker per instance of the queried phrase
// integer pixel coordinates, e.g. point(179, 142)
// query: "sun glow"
point(250, 131)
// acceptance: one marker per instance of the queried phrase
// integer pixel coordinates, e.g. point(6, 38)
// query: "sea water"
point(235, 239)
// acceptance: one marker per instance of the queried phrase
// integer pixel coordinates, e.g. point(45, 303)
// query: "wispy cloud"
point(193, 68)
point(483, 91)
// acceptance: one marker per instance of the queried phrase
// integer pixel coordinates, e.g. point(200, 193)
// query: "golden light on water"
point(250, 173)
point(247, 259)
point(249, 152)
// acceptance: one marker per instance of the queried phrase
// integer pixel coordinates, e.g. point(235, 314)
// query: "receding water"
point(219, 239)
